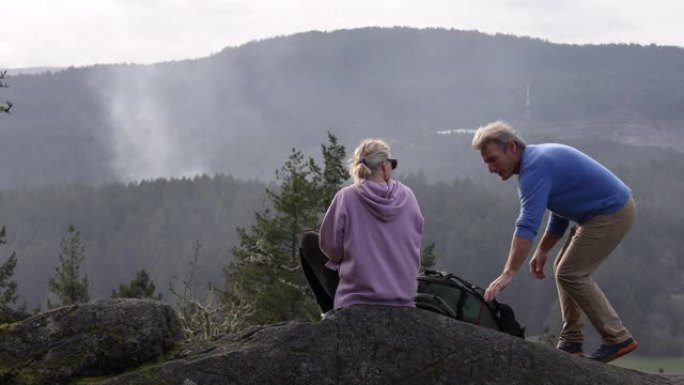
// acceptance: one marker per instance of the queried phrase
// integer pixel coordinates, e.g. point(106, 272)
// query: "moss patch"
point(7, 327)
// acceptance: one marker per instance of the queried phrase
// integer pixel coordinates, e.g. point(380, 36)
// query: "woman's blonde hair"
point(368, 155)
point(498, 132)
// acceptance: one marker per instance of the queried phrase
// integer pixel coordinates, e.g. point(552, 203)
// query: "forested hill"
point(239, 111)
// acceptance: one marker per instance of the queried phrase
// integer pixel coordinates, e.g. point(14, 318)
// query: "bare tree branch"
point(8, 105)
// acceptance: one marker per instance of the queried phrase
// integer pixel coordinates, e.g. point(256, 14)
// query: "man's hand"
point(537, 264)
point(497, 285)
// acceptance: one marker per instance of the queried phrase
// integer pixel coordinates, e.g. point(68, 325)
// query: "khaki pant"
point(588, 245)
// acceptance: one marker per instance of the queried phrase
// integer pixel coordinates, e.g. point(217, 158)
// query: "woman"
point(369, 239)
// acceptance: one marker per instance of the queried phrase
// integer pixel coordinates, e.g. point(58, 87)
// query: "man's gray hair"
point(498, 132)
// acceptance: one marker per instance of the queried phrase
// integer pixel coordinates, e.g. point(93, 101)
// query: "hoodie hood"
point(384, 201)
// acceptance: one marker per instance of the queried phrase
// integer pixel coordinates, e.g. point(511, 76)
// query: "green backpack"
point(455, 297)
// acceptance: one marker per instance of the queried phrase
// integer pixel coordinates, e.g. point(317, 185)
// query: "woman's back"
point(369, 240)
point(371, 235)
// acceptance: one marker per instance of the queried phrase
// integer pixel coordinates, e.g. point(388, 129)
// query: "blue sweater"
point(570, 184)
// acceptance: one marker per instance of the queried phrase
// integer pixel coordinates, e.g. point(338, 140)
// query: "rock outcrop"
point(94, 343)
point(379, 345)
point(94, 339)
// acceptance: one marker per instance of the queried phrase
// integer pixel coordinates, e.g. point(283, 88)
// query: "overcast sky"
point(37, 33)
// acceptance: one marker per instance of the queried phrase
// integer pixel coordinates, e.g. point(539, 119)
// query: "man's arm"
point(520, 247)
point(539, 258)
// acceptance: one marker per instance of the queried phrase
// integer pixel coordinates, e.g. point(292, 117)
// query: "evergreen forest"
point(156, 225)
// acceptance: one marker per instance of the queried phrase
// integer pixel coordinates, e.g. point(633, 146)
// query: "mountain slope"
point(241, 110)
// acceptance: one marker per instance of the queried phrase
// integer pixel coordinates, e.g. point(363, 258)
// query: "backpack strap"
point(460, 305)
point(491, 306)
point(434, 303)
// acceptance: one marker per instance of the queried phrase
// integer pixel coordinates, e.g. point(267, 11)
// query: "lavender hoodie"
point(371, 235)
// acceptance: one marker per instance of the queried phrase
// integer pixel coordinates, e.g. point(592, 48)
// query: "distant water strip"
point(466, 131)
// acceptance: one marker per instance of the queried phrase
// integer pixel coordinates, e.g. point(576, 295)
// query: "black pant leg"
point(322, 281)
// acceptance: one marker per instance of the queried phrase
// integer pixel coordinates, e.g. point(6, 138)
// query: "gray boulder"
point(379, 345)
point(98, 338)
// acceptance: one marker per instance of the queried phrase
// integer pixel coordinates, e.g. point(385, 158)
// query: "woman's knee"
point(309, 241)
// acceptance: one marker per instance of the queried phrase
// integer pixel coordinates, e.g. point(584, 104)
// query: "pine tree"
point(427, 257)
point(8, 288)
point(266, 273)
point(67, 283)
point(140, 287)
point(334, 172)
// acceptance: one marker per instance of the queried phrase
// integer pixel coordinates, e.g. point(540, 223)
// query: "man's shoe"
point(574, 348)
point(607, 353)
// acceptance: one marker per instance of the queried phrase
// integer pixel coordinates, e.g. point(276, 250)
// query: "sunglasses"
point(393, 162)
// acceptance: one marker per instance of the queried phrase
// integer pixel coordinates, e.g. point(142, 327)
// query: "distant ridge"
point(32, 70)
point(240, 110)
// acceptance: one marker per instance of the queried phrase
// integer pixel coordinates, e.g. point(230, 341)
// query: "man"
point(573, 187)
